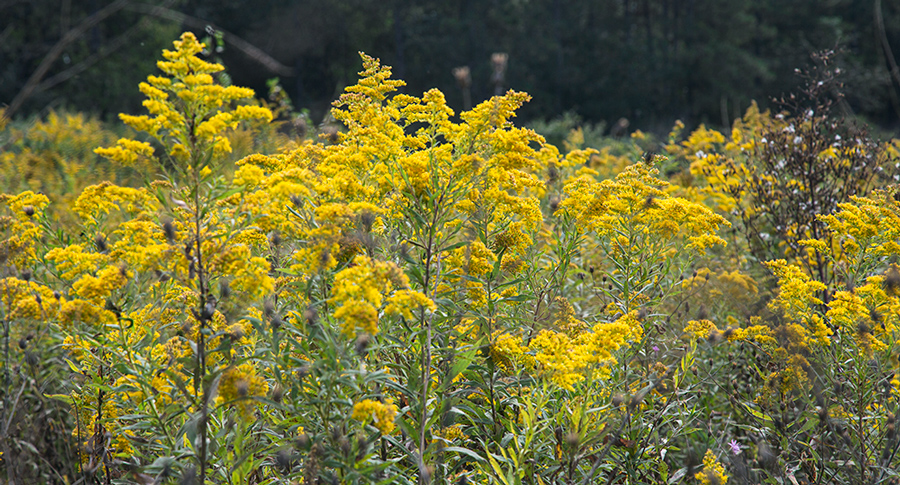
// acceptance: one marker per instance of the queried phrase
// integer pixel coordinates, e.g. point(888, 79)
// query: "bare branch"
point(886, 46)
point(106, 50)
point(57, 50)
point(34, 83)
point(238, 43)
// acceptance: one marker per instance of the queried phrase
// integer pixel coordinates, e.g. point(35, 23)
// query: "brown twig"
point(238, 43)
point(72, 35)
point(34, 83)
point(106, 50)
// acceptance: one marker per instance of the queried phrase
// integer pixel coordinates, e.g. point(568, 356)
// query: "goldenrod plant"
point(425, 296)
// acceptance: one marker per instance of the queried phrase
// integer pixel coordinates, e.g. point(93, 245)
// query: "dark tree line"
point(650, 61)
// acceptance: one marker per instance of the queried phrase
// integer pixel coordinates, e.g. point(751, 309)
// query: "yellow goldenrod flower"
point(509, 352)
point(797, 300)
point(100, 287)
point(187, 87)
point(239, 385)
point(713, 472)
point(380, 414)
point(99, 200)
point(73, 261)
point(360, 290)
point(20, 229)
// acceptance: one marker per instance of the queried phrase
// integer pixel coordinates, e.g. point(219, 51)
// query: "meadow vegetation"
point(425, 296)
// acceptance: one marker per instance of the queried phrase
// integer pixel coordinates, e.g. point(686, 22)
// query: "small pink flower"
point(735, 447)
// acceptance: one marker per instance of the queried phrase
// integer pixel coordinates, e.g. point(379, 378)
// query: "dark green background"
point(651, 61)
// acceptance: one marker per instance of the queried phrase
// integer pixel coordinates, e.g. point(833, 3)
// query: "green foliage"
point(650, 61)
point(426, 297)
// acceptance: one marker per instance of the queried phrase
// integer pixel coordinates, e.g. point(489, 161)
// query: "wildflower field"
point(413, 295)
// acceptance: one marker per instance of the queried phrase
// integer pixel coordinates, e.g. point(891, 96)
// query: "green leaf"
point(61, 397)
point(681, 472)
point(810, 424)
point(495, 273)
point(73, 366)
point(759, 415)
point(664, 470)
point(465, 451)
point(497, 470)
point(28, 445)
point(453, 246)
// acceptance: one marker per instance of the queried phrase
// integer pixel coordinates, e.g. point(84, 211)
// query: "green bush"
point(425, 297)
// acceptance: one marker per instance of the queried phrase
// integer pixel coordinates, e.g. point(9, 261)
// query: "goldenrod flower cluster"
point(713, 472)
point(759, 333)
point(740, 285)
point(188, 110)
point(439, 247)
point(797, 300)
point(27, 300)
point(360, 290)
point(98, 431)
point(140, 243)
point(867, 313)
point(19, 230)
point(867, 227)
point(568, 360)
point(73, 261)
point(701, 329)
point(450, 433)
point(99, 200)
point(380, 414)
point(97, 288)
point(239, 385)
point(636, 202)
point(509, 353)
